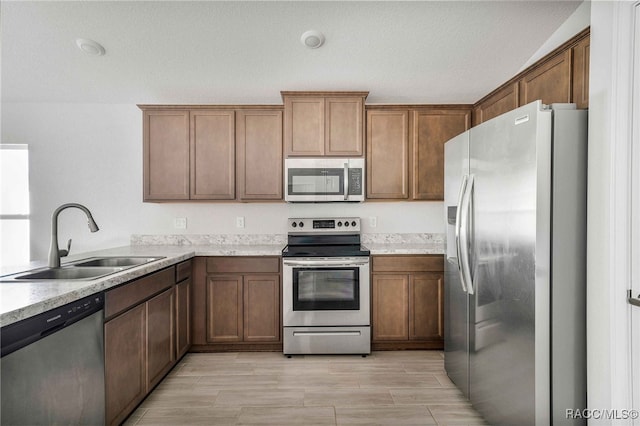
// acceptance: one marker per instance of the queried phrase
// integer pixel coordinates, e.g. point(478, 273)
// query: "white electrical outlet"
point(240, 222)
point(373, 221)
point(180, 223)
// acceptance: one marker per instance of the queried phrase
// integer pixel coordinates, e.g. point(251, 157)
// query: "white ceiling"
point(247, 52)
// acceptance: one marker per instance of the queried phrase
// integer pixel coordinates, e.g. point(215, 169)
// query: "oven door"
point(325, 291)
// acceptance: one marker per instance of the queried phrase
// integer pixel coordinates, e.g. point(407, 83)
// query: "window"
point(14, 204)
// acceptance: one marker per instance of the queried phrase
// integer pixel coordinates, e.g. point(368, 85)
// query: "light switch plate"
point(373, 221)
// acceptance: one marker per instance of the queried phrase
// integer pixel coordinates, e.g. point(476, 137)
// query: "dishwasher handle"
point(22, 333)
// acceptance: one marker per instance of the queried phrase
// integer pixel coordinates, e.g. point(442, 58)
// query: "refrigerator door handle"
point(465, 269)
point(463, 188)
point(635, 301)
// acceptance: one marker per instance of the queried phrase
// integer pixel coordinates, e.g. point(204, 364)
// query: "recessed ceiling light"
point(312, 39)
point(90, 47)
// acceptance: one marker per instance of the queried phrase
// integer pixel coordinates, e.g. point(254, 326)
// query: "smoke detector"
point(90, 47)
point(312, 39)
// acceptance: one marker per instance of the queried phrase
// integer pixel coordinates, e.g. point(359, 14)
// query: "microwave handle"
point(346, 181)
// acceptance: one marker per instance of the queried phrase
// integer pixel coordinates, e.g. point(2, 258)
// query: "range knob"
point(301, 224)
point(293, 224)
point(339, 223)
point(346, 223)
point(353, 223)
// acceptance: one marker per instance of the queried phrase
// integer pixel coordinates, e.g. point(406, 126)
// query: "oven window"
point(326, 289)
point(315, 181)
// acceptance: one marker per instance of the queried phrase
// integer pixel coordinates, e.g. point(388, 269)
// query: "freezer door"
point(456, 318)
point(509, 328)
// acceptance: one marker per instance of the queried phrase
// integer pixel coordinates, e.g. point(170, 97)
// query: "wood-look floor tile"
point(462, 414)
point(287, 416)
point(347, 398)
point(253, 382)
point(428, 366)
point(387, 381)
point(259, 398)
point(444, 380)
point(213, 368)
point(371, 368)
point(427, 396)
point(190, 416)
point(193, 396)
point(299, 370)
point(408, 355)
point(409, 415)
point(318, 381)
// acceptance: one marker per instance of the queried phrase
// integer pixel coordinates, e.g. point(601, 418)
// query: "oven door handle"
point(328, 263)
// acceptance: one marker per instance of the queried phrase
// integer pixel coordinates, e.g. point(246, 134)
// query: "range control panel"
point(330, 225)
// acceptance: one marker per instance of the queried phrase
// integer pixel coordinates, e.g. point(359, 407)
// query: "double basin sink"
point(85, 269)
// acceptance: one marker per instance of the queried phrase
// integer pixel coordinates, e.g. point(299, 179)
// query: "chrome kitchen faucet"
point(54, 252)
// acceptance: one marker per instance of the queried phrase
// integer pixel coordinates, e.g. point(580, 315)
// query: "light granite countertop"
point(20, 300)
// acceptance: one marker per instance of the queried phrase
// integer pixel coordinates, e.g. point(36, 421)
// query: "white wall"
point(608, 226)
point(92, 154)
point(578, 21)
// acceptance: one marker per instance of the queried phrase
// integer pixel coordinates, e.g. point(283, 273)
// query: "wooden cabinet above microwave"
point(318, 124)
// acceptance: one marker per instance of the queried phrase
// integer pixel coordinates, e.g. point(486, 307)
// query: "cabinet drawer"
point(243, 264)
point(137, 291)
point(183, 270)
point(415, 263)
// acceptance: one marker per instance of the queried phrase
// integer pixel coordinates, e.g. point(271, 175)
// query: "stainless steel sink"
point(68, 273)
point(84, 269)
point(124, 261)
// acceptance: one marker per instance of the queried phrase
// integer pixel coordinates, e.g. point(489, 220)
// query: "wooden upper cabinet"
point(550, 81)
point(581, 57)
point(405, 150)
point(212, 155)
point(504, 100)
point(430, 130)
point(388, 154)
point(166, 155)
point(259, 154)
point(324, 123)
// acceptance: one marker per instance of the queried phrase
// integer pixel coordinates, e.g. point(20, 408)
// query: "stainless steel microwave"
point(324, 179)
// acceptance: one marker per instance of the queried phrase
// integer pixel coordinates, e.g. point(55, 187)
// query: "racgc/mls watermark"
point(604, 414)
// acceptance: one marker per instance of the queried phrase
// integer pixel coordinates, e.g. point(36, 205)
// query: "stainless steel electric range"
point(326, 294)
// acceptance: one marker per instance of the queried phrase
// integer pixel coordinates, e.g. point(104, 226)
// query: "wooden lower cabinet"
point(183, 314)
point(139, 341)
point(243, 308)
point(236, 304)
point(407, 302)
point(160, 336)
point(125, 361)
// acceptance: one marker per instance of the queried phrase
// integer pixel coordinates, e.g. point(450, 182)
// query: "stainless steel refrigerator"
point(515, 270)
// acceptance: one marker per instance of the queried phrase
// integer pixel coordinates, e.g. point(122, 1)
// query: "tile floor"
point(385, 388)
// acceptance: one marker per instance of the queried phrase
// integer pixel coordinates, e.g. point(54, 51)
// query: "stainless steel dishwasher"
point(52, 366)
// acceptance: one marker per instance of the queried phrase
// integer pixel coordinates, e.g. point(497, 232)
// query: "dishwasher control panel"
point(27, 331)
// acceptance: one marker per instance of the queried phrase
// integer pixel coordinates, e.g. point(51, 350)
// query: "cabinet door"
point(581, 57)
point(125, 363)
point(212, 155)
point(500, 102)
point(430, 130)
point(166, 155)
point(344, 126)
point(550, 82)
point(262, 308)
point(304, 126)
point(387, 154)
point(224, 308)
point(259, 156)
point(161, 350)
point(183, 313)
point(426, 304)
point(390, 307)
